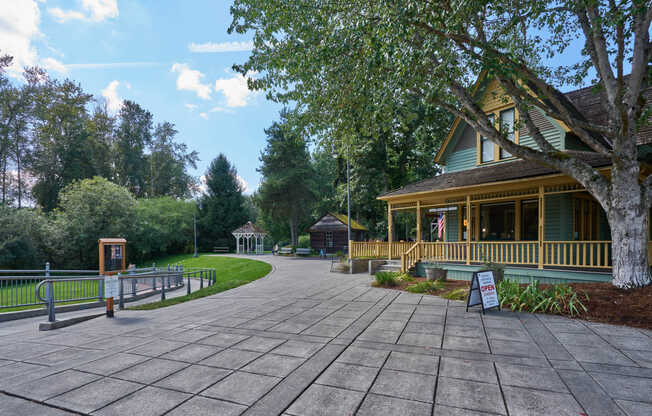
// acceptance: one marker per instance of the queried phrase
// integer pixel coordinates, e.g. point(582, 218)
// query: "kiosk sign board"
point(483, 291)
point(111, 286)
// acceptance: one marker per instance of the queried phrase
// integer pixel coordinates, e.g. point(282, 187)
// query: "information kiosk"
point(112, 261)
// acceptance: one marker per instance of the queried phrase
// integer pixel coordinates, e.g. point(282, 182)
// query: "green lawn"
point(24, 292)
point(230, 272)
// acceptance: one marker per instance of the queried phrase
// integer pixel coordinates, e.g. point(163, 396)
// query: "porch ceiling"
point(509, 176)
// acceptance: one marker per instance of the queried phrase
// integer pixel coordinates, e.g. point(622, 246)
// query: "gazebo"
point(246, 233)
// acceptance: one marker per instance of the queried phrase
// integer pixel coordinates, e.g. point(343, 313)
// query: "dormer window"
point(507, 125)
point(487, 146)
point(504, 121)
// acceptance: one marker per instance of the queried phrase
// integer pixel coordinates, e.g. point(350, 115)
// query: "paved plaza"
point(303, 341)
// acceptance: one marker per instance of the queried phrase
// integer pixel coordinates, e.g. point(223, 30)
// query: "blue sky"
point(172, 57)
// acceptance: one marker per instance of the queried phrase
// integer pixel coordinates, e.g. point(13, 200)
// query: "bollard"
point(49, 292)
point(188, 283)
point(201, 279)
point(121, 298)
point(162, 288)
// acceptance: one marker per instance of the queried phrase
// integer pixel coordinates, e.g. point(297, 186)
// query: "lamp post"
point(194, 220)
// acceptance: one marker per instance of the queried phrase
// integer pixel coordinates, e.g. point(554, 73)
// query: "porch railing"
point(571, 254)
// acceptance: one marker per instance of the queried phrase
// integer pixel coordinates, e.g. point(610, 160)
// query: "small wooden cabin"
point(330, 233)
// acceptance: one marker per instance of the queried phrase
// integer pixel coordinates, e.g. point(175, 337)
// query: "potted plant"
point(434, 271)
point(497, 268)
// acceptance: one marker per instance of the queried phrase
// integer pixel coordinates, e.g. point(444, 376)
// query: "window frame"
point(497, 151)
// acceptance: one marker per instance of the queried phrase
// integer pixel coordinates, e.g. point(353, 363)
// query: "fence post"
point(50, 296)
point(201, 279)
point(133, 284)
point(214, 273)
point(121, 301)
point(47, 269)
point(188, 289)
point(162, 287)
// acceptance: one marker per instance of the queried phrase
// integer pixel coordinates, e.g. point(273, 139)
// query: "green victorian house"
point(489, 206)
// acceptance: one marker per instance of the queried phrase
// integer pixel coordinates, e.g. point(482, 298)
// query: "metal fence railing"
point(30, 288)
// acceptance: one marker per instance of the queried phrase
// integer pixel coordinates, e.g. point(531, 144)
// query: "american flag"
point(441, 225)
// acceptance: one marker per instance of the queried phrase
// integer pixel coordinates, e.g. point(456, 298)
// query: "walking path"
point(303, 341)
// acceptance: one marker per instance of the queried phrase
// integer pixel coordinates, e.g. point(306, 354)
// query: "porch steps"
point(390, 266)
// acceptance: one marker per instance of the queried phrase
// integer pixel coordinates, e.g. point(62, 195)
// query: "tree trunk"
point(20, 188)
point(628, 219)
point(294, 227)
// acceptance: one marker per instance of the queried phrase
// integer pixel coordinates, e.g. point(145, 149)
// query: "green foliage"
point(24, 238)
point(222, 206)
point(163, 225)
point(88, 210)
point(287, 189)
point(386, 279)
point(426, 287)
point(457, 294)
point(555, 299)
point(304, 241)
point(405, 277)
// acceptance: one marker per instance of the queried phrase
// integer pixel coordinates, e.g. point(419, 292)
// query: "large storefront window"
point(529, 220)
point(497, 222)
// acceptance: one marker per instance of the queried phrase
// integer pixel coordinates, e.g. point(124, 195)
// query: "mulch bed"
point(611, 305)
point(606, 303)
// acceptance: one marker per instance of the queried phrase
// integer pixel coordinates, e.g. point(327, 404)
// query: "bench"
point(303, 251)
point(220, 249)
point(285, 250)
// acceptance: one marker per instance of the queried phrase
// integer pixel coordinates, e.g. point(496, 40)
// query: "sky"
point(172, 57)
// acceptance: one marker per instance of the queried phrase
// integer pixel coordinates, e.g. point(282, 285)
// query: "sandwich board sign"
point(483, 291)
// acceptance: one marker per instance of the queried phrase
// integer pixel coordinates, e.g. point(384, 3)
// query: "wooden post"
point(517, 220)
point(468, 229)
point(390, 229)
point(418, 221)
point(542, 216)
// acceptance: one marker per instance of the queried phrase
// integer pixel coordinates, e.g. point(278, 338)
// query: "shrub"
point(405, 277)
point(426, 287)
point(386, 278)
point(457, 294)
point(555, 299)
point(304, 241)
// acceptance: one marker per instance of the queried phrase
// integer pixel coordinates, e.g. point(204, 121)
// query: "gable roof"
point(249, 228)
point(342, 218)
point(499, 172)
point(584, 103)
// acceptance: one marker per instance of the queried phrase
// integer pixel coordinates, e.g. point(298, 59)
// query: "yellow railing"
point(591, 254)
point(411, 257)
point(584, 254)
point(379, 249)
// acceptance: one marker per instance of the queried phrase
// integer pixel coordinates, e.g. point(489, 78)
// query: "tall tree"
point(222, 208)
point(168, 162)
point(287, 188)
point(62, 150)
point(337, 55)
point(133, 136)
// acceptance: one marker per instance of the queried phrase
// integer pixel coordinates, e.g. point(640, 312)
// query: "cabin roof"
point(342, 218)
point(498, 172)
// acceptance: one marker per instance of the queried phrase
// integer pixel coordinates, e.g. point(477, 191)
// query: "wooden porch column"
point(468, 229)
point(418, 221)
point(517, 220)
point(390, 229)
point(542, 219)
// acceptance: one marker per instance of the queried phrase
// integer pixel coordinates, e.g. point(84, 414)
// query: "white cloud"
point(204, 116)
point(219, 109)
point(190, 107)
point(19, 26)
point(235, 90)
point(96, 11)
point(243, 184)
point(190, 80)
point(213, 47)
point(63, 16)
point(110, 93)
point(54, 65)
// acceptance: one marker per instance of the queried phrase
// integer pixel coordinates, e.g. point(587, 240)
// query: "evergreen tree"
point(222, 206)
point(287, 190)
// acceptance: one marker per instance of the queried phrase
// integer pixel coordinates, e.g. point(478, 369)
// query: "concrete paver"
point(303, 341)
